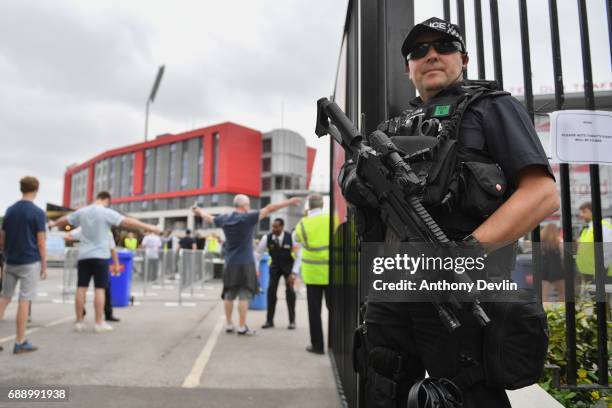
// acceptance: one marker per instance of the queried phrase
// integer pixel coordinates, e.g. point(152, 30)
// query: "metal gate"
point(371, 86)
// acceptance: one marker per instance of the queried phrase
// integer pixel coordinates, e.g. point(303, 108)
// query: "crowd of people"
point(303, 252)
point(23, 249)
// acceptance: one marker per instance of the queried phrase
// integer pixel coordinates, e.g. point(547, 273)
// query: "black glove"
point(353, 189)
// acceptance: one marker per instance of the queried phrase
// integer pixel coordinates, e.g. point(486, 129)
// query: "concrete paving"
point(162, 354)
point(157, 346)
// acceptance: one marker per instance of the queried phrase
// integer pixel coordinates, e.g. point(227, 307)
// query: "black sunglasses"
point(441, 47)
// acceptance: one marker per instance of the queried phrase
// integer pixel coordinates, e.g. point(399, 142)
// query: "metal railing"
point(162, 269)
point(373, 33)
point(69, 274)
point(194, 267)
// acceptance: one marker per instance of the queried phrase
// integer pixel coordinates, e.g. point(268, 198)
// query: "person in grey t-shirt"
point(239, 276)
point(95, 221)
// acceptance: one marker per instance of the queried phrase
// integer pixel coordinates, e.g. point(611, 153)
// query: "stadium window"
point(266, 184)
point(215, 158)
point(266, 164)
point(267, 145)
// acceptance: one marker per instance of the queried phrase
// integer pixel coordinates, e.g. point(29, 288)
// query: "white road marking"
point(176, 304)
point(59, 321)
point(34, 330)
point(193, 379)
point(59, 301)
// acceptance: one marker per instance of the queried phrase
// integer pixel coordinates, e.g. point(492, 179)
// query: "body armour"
point(463, 186)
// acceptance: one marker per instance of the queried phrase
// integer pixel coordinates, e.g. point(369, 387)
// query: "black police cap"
point(431, 24)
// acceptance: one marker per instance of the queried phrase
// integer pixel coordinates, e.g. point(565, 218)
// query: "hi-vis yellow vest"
point(130, 243)
point(585, 255)
point(213, 245)
point(313, 234)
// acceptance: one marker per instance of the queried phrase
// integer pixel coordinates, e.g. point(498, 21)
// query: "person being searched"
point(23, 240)
point(240, 276)
point(96, 221)
point(279, 245)
point(109, 316)
point(497, 146)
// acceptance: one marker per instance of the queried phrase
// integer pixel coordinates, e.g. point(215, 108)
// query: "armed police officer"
point(497, 187)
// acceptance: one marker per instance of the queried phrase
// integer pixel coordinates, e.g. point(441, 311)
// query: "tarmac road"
point(165, 355)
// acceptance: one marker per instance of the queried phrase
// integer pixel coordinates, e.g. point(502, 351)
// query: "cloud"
point(75, 76)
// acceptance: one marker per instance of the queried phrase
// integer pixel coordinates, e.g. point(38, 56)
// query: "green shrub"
point(586, 356)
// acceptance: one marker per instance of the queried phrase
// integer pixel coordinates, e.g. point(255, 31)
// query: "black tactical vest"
point(427, 135)
point(281, 253)
point(463, 186)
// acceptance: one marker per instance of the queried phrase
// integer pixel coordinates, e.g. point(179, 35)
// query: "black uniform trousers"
point(425, 344)
point(108, 306)
point(275, 275)
point(314, 296)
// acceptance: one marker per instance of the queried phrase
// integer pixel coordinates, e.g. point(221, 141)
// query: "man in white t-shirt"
point(75, 235)
point(96, 221)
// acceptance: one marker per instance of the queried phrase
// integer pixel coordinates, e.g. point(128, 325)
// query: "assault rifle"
point(397, 189)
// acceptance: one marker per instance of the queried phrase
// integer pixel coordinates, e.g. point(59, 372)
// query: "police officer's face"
point(277, 228)
point(434, 71)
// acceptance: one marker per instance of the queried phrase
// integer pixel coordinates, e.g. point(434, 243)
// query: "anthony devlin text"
point(443, 285)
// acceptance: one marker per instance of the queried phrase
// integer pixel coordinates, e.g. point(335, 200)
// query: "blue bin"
point(121, 284)
point(260, 301)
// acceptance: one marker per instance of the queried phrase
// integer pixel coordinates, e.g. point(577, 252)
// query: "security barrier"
point(69, 274)
point(194, 267)
point(184, 268)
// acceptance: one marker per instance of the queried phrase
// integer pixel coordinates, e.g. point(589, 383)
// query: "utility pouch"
point(384, 375)
point(440, 174)
point(516, 340)
point(432, 161)
point(482, 188)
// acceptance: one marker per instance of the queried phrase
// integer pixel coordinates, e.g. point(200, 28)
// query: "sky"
point(75, 75)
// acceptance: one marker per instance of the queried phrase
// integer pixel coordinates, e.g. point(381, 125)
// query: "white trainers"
point(79, 327)
point(245, 331)
point(229, 328)
point(103, 327)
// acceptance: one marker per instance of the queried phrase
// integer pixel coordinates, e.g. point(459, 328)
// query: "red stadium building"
point(158, 181)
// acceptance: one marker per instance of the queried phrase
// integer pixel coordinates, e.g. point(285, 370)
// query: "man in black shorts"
point(96, 221)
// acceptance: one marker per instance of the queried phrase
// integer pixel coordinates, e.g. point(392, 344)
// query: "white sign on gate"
point(581, 136)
